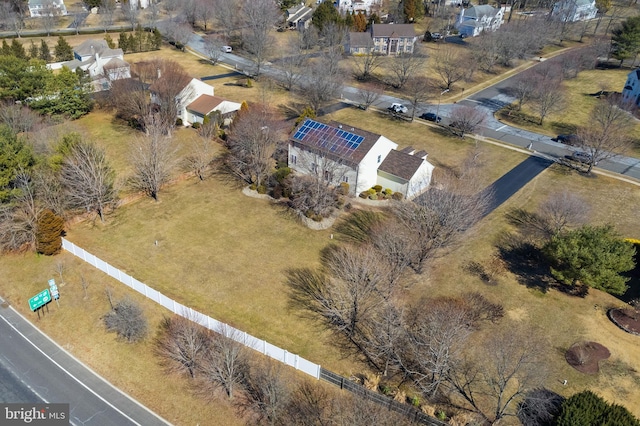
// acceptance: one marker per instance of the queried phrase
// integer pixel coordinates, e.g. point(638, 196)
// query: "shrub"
point(397, 196)
point(179, 122)
point(364, 194)
point(373, 196)
point(196, 125)
point(127, 320)
point(372, 191)
point(388, 191)
point(49, 233)
point(277, 192)
point(344, 188)
point(253, 187)
point(377, 188)
point(262, 189)
point(249, 83)
point(281, 174)
point(415, 401)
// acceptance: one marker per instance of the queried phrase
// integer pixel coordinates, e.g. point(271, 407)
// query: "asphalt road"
point(48, 373)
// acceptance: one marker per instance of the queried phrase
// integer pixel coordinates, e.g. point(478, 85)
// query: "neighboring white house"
point(141, 4)
point(631, 90)
point(383, 39)
point(299, 17)
point(47, 7)
point(206, 104)
point(574, 10)
point(192, 89)
point(341, 153)
point(355, 6)
point(474, 20)
point(101, 62)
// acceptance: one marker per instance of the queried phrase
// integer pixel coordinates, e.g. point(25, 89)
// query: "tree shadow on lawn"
point(526, 261)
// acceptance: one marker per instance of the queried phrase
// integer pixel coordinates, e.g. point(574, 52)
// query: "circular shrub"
point(627, 319)
point(584, 356)
point(196, 125)
point(373, 196)
point(377, 188)
point(397, 196)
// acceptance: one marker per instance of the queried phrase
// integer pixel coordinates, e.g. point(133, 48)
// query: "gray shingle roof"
point(402, 165)
point(393, 30)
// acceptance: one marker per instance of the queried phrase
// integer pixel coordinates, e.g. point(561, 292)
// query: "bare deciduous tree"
point(438, 330)
point(19, 220)
point(178, 32)
point(200, 157)
point(107, 12)
point(404, 66)
point(417, 90)
point(49, 15)
point(252, 141)
point(562, 210)
point(522, 89)
point(496, 379)
point(224, 365)
point(447, 66)
point(182, 343)
point(267, 393)
point(466, 119)
point(439, 217)
point(365, 64)
point(88, 180)
point(153, 158)
point(293, 63)
point(370, 93)
point(127, 320)
point(323, 80)
point(607, 133)
point(227, 17)
point(260, 17)
point(548, 95)
point(213, 48)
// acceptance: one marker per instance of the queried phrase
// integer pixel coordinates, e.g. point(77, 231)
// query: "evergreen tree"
point(625, 40)
point(360, 23)
point(110, 42)
point(592, 256)
point(374, 19)
point(587, 408)
point(348, 20)
point(123, 43)
point(413, 10)
point(17, 49)
point(157, 39)
point(15, 155)
point(34, 52)
point(45, 52)
point(63, 50)
point(6, 49)
point(49, 233)
point(131, 42)
point(324, 14)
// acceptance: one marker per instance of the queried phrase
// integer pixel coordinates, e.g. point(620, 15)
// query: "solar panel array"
point(329, 138)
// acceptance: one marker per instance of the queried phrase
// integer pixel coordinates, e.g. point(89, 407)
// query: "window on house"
point(379, 158)
point(327, 176)
point(294, 159)
point(345, 179)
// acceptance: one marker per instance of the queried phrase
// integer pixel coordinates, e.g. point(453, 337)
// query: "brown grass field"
point(225, 254)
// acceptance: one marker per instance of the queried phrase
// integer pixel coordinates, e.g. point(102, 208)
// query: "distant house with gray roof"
point(474, 20)
point(102, 63)
point(299, 17)
point(574, 10)
point(383, 39)
point(631, 90)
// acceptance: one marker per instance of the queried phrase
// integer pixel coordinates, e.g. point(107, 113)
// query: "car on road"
point(227, 49)
point(582, 157)
point(429, 116)
point(568, 139)
point(436, 36)
point(398, 108)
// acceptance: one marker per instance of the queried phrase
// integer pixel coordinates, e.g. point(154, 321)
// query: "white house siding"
point(368, 169)
point(194, 89)
point(420, 180)
point(394, 183)
point(302, 162)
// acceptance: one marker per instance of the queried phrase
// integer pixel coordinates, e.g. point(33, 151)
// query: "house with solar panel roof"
point(341, 153)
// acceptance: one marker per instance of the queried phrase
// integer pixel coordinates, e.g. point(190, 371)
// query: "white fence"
point(259, 345)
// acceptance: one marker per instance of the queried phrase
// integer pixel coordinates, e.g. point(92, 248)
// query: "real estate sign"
point(40, 299)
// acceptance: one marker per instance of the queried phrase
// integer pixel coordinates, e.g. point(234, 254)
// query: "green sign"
point(40, 299)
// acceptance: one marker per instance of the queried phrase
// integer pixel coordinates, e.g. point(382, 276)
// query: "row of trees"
point(62, 50)
point(263, 390)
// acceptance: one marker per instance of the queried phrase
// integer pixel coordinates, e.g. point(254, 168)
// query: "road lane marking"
point(501, 127)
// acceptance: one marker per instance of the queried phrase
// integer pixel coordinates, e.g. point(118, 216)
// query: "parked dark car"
point(429, 116)
point(568, 139)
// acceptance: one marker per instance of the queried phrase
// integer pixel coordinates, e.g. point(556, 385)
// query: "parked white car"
point(395, 107)
point(227, 49)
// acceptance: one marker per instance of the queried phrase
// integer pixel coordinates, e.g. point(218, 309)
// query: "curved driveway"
point(52, 375)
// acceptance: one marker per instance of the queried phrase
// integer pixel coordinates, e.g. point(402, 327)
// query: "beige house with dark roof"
point(206, 104)
point(383, 39)
point(191, 89)
point(341, 153)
